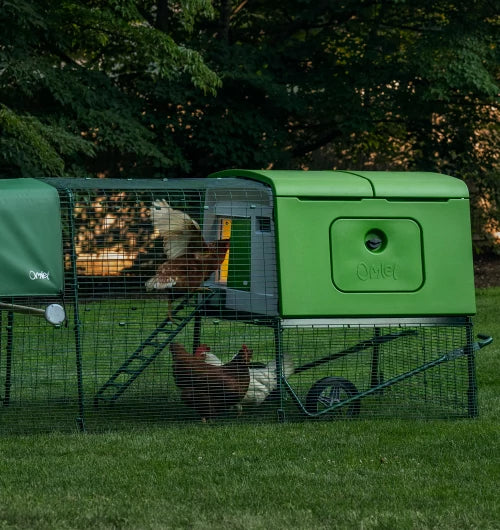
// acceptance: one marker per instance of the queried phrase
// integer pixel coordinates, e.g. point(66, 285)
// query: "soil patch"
point(487, 271)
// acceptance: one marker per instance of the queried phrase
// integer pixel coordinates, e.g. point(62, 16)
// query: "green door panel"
point(376, 255)
point(240, 254)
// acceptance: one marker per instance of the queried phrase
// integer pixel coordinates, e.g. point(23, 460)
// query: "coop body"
point(243, 296)
point(352, 244)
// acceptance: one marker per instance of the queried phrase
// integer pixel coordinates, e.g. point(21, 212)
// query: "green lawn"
point(361, 474)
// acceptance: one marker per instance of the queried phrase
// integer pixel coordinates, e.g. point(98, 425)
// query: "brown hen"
point(211, 390)
point(190, 259)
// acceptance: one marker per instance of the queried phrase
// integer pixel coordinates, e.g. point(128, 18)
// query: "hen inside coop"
point(173, 303)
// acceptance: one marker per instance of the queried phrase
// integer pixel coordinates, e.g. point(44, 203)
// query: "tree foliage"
point(69, 75)
point(140, 88)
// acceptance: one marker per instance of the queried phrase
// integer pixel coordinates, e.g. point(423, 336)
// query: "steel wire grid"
point(109, 365)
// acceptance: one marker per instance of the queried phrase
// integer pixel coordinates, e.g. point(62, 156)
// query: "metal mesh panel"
point(109, 365)
point(38, 372)
point(412, 371)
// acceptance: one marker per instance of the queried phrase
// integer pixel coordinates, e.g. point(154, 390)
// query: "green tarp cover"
point(31, 258)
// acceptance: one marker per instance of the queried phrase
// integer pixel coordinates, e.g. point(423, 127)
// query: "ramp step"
point(159, 345)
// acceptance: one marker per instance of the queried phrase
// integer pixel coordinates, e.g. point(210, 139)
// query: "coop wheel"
point(328, 391)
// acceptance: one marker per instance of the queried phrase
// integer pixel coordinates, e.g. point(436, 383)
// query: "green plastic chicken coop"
point(351, 244)
point(352, 291)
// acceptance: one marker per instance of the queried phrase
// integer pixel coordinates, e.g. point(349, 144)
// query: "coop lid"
point(352, 184)
point(317, 184)
point(414, 184)
point(31, 258)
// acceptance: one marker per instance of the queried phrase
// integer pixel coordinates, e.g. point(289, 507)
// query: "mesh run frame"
point(110, 366)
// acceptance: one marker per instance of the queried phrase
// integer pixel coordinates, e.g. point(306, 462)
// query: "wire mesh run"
point(150, 340)
point(416, 371)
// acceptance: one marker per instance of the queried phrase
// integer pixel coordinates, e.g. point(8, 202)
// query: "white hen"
point(178, 230)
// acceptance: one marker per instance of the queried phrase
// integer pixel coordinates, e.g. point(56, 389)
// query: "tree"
point(142, 88)
point(305, 75)
point(359, 84)
point(68, 90)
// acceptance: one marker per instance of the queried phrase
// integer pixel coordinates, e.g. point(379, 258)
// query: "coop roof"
point(295, 183)
point(125, 184)
point(31, 261)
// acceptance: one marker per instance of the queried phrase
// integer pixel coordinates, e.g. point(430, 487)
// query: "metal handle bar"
point(485, 340)
point(53, 313)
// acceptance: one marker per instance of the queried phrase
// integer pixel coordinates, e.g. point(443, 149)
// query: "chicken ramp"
point(145, 354)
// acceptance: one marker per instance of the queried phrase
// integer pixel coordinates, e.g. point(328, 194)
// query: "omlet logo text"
point(39, 275)
point(380, 271)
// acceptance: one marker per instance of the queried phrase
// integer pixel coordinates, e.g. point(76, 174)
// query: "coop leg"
point(278, 346)
point(80, 420)
point(197, 331)
point(375, 378)
point(1, 327)
point(8, 358)
point(471, 368)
